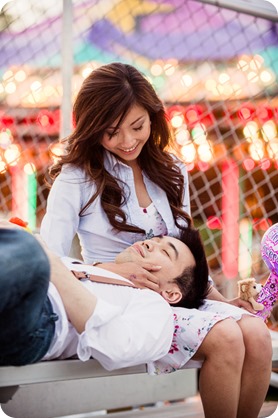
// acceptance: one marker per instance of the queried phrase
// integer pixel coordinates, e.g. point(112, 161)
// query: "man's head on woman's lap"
point(183, 277)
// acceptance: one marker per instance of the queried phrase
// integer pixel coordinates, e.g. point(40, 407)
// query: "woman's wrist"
point(213, 294)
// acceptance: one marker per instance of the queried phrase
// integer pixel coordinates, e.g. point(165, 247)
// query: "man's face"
point(170, 253)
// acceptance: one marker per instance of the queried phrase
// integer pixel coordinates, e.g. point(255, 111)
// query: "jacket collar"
point(112, 163)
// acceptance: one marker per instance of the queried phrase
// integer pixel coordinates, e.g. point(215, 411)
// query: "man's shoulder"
point(156, 303)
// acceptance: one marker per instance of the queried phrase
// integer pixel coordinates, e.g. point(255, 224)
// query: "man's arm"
point(79, 303)
point(138, 330)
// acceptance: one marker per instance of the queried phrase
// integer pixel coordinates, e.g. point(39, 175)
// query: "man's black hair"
point(193, 282)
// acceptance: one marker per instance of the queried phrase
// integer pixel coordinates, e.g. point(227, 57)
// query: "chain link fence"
point(216, 71)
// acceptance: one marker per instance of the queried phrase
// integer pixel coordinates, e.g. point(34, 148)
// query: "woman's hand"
point(141, 276)
point(242, 304)
point(213, 294)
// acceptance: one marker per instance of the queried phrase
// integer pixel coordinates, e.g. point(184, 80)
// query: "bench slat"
point(56, 370)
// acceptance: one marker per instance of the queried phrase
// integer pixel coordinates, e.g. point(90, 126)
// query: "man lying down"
point(47, 313)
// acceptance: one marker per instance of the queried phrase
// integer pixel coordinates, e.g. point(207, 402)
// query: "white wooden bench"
point(64, 387)
point(56, 388)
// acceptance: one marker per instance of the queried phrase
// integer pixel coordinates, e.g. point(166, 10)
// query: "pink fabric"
point(269, 249)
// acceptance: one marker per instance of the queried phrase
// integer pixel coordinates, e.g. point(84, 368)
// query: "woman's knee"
point(257, 339)
point(224, 342)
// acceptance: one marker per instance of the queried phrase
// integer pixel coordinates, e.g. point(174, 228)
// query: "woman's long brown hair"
point(106, 95)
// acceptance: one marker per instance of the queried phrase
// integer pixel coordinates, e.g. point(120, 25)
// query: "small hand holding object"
point(240, 303)
point(248, 290)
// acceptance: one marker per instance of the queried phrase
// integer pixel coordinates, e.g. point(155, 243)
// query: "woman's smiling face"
point(127, 140)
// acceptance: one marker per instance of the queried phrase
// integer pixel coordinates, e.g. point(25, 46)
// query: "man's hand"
point(141, 276)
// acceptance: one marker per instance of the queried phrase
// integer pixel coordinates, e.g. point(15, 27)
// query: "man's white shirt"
point(129, 326)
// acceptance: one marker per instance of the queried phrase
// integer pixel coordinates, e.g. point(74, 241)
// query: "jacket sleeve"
point(186, 196)
point(137, 334)
point(64, 203)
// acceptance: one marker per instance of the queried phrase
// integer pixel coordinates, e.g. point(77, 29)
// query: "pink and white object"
point(269, 250)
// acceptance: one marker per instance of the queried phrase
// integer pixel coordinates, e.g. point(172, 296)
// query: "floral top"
point(152, 222)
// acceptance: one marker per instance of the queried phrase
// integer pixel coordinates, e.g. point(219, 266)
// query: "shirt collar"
point(111, 162)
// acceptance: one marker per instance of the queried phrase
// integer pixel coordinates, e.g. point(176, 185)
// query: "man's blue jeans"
point(26, 316)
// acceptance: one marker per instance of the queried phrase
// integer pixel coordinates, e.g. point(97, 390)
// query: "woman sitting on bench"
point(116, 184)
